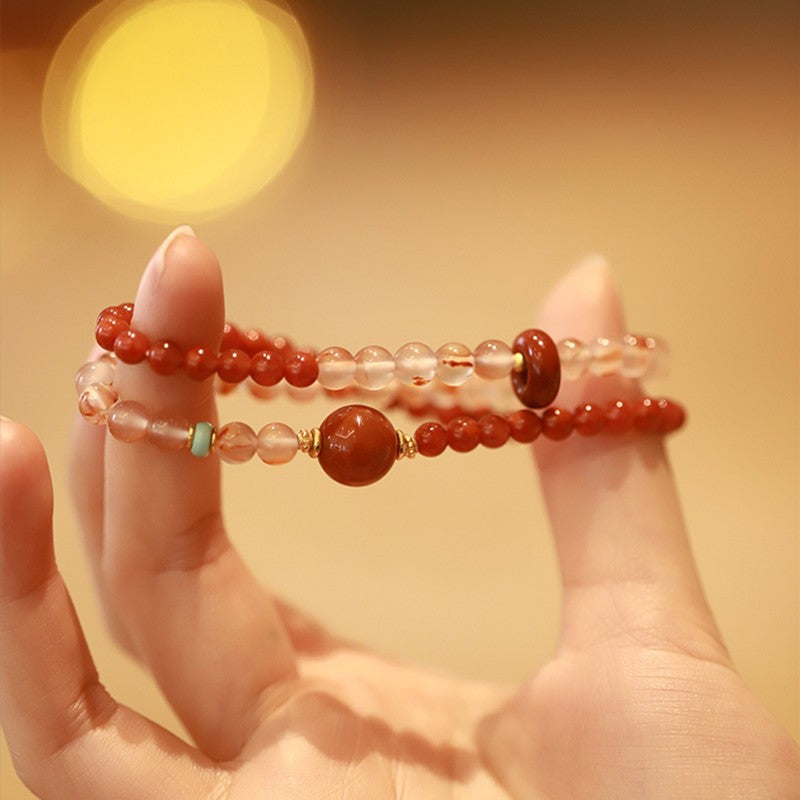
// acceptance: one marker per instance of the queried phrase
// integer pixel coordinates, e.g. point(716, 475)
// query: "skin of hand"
point(640, 699)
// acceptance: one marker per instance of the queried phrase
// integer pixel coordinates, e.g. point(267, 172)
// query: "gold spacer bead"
point(309, 442)
point(519, 362)
point(406, 446)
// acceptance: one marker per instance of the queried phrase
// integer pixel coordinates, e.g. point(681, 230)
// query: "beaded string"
point(269, 360)
point(356, 444)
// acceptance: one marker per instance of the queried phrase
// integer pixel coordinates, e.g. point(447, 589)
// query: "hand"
point(639, 701)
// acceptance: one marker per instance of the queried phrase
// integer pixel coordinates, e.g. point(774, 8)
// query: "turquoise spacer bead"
point(202, 439)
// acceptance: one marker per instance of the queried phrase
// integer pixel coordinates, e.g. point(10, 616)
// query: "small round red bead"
point(589, 419)
point(131, 346)
point(431, 438)
point(525, 425)
point(233, 365)
point(619, 416)
point(301, 369)
point(109, 326)
point(647, 415)
point(200, 363)
point(266, 368)
point(556, 423)
point(495, 430)
point(673, 415)
point(463, 434)
point(165, 358)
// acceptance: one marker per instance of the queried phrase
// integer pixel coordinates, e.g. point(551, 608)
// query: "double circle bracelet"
point(357, 444)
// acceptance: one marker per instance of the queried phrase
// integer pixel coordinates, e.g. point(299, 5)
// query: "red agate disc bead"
point(536, 384)
point(358, 445)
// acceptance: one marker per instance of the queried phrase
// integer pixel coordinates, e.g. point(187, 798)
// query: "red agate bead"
point(165, 357)
point(234, 365)
point(463, 434)
point(431, 438)
point(557, 423)
point(537, 383)
point(589, 419)
point(525, 425)
point(495, 430)
point(131, 346)
point(301, 369)
point(200, 363)
point(358, 445)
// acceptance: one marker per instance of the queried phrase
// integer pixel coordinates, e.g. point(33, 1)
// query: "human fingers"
point(69, 738)
point(197, 617)
point(86, 478)
point(622, 545)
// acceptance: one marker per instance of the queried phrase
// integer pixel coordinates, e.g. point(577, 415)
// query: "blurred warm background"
point(428, 170)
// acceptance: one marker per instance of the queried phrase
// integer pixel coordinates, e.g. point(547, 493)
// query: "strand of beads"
point(356, 445)
point(269, 360)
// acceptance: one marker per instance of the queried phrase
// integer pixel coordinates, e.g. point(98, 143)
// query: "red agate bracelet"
point(534, 362)
point(357, 445)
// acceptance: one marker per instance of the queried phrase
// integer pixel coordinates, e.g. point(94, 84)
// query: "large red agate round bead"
point(358, 445)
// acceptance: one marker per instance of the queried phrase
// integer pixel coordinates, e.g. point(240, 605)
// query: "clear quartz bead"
point(415, 364)
point(635, 357)
point(276, 444)
point(235, 442)
point(337, 368)
point(606, 356)
point(658, 363)
point(574, 357)
point(493, 359)
point(100, 371)
point(127, 421)
point(169, 433)
point(374, 367)
point(94, 402)
point(456, 363)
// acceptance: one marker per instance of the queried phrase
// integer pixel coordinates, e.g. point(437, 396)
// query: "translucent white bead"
point(101, 371)
point(658, 363)
point(493, 359)
point(374, 367)
point(235, 442)
point(337, 368)
point(277, 443)
point(127, 421)
point(606, 356)
point(94, 402)
point(574, 356)
point(635, 357)
point(415, 364)
point(456, 363)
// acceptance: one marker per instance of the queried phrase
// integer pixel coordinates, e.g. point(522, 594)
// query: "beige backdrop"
point(456, 164)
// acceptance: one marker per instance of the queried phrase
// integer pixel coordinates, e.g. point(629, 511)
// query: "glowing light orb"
point(178, 107)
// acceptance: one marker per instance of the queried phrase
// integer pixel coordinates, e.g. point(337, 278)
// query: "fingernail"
point(156, 265)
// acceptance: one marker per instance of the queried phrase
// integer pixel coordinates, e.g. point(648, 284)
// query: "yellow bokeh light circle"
point(183, 108)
